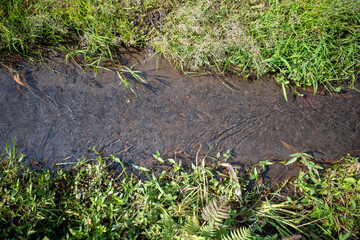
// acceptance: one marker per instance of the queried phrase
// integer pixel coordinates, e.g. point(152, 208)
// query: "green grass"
point(301, 43)
point(91, 31)
point(312, 43)
point(93, 26)
point(89, 200)
point(332, 198)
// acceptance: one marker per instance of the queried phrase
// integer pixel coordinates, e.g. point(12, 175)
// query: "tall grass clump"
point(331, 199)
point(304, 43)
point(310, 43)
point(94, 26)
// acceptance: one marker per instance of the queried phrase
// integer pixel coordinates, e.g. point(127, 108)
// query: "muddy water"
point(172, 113)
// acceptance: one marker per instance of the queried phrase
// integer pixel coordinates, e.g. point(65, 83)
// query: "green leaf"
point(307, 155)
point(241, 233)
point(144, 169)
point(286, 63)
point(284, 91)
point(172, 161)
point(157, 157)
point(292, 160)
point(72, 232)
point(141, 168)
point(350, 180)
point(267, 162)
point(115, 159)
point(345, 236)
point(296, 155)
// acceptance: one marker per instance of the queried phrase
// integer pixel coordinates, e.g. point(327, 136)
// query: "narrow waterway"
point(69, 111)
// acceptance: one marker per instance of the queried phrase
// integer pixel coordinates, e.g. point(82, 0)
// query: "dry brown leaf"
point(355, 166)
point(343, 95)
point(293, 237)
point(233, 176)
point(288, 146)
point(18, 79)
point(333, 94)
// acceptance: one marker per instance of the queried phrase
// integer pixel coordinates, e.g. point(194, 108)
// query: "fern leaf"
point(238, 234)
point(208, 230)
point(216, 211)
point(188, 236)
point(192, 225)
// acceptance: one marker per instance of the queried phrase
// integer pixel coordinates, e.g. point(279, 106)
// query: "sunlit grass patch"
point(92, 200)
point(331, 198)
point(88, 24)
point(313, 43)
point(304, 43)
point(92, 30)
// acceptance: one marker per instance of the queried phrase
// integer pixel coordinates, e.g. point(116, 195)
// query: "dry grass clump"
point(203, 34)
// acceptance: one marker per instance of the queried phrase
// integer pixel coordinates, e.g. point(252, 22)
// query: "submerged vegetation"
point(302, 43)
point(89, 200)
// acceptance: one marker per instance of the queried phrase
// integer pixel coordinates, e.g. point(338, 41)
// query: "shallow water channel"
point(71, 111)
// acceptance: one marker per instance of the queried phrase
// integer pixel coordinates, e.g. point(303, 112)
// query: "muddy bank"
point(173, 113)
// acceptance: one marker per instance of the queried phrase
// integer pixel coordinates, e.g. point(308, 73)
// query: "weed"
point(332, 198)
point(89, 200)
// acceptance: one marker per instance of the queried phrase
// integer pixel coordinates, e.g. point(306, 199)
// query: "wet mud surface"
point(69, 111)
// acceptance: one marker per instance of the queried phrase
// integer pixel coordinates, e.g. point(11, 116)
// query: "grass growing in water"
point(92, 201)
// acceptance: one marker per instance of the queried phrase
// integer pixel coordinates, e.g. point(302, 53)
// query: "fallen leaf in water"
point(18, 79)
point(333, 94)
point(289, 147)
point(318, 92)
point(343, 95)
point(310, 102)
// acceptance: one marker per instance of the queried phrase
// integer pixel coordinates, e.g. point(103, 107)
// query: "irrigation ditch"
point(66, 111)
point(169, 123)
point(265, 145)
